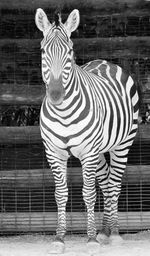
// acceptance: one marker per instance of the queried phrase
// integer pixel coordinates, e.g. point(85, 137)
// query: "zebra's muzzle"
point(56, 97)
point(55, 91)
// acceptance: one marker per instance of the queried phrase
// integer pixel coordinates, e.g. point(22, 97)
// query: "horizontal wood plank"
point(31, 134)
point(20, 135)
point(133, 47)
point(39, 177)
point(27, 95)
point(76, 221)
point(85, 5)
point(22, 83)
point(27, 3)
point(34, 95)
point(21, 94)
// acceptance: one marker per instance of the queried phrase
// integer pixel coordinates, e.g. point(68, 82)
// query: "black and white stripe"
point(98, 114)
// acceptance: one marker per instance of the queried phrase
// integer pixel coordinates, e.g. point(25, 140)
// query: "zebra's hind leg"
point(118, 162)
point(93, 246)
point(57, 246)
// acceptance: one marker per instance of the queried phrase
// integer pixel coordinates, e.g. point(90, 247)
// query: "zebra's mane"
point(57, 17)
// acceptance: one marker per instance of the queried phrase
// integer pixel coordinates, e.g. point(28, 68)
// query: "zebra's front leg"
point(102, 173)
point(89, 196)
point(61, 197)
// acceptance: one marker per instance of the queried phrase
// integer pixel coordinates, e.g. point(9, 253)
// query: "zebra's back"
point(117, 76)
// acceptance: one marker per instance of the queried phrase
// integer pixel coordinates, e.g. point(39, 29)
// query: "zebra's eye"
point(70, 51)
point(43, 51)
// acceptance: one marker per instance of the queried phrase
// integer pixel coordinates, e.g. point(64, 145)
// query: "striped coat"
point(86, 112)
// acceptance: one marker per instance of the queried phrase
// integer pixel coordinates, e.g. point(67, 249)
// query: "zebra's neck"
point(75, 91)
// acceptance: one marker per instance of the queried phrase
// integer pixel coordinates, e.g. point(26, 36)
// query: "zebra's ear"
point(41, 20)
point(73, 21)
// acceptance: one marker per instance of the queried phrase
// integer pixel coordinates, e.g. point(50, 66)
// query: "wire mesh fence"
point(27, 200)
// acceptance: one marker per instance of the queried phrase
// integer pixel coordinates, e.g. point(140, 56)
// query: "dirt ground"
point(40, 245)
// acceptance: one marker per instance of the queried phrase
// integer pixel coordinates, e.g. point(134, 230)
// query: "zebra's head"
point(57, 52)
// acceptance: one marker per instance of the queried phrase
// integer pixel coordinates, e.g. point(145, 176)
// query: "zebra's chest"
point(73, 136)
point(67, 128)
point(65, 136)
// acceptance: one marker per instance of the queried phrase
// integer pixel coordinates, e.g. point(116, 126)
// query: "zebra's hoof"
point(115, 239)
point(93, 246)
point(102, 238)
point(57, 247)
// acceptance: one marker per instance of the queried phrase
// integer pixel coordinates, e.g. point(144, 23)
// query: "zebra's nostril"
point(55, 90)
point(55, 95)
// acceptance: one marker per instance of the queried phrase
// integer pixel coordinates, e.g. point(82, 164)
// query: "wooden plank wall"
point(76, 221)
point(118, 31)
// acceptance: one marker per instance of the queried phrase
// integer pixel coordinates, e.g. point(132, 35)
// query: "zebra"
point(86, 112)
